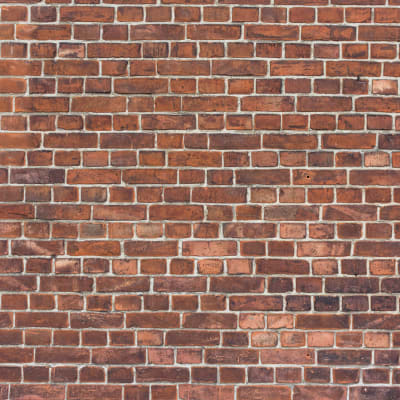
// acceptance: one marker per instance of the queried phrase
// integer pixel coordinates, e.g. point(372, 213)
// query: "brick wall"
point(199, 199)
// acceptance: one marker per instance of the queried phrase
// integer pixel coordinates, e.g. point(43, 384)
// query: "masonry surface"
point(199, 199)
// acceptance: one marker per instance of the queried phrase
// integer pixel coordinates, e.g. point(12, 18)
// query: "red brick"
point(272, 32)
point(55, 391)
point(213, 32)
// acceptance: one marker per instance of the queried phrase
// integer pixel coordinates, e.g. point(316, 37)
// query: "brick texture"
point(199, 199)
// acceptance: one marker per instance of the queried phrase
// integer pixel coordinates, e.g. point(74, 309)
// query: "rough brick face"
point(199, 199)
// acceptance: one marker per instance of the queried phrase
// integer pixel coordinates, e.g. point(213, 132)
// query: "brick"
point(234, 141)
point(199, 338)
point(314, 392)
point(285, 141)
point(188, 14)
point(213, 32)
point(141, 85)
point(156, 374)
point(279, 266)
point(208, 248)
point(88, 391)
point(266, 177)
point(55, 391)
point(287, 356)
point(272, 32)
point(86, 14)
point(256, 303)
point(209, 104)
point(180, 284)
point(348, 141)
point(290, 213)
point(153, 320)
point(38, 319)
point(16, 211)
point(389, 104)
point(113, 50)
point(375, 177)
point(259, 103)
point(37, 176)
point(303, 68)
point(231, 356)
point(99, 248)
point(44, 104)
point(237, 68)
point(52, 212)
point(71, 67)
point(42, 32)
point(324, 249)
point(340, 357)
point(236, 285)
point(61, 284)
point(15, 85)
point(168, 122)
point(98, 104)
point(278, 392)
point(326, 32)
point(249, 230)
point(350, 213)
point(157, 32)
point(324, 104)
point(32, 247)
